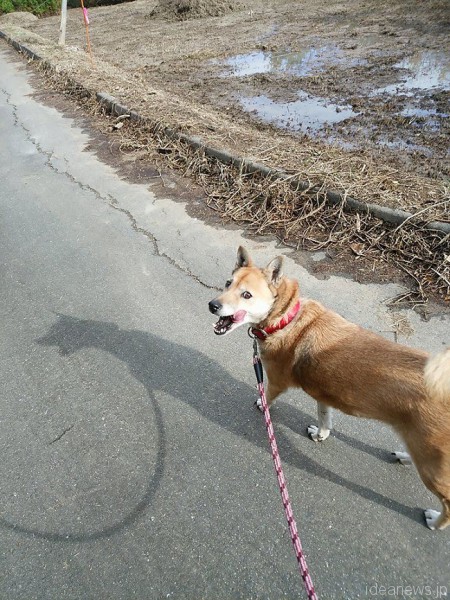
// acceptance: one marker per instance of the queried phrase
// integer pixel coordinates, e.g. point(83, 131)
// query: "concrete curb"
point(21, 47)
point(389, 215)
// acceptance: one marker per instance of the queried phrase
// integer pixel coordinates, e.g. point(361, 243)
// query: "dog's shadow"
point(209, 389)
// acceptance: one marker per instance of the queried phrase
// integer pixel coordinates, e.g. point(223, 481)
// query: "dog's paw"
point(313, 433)
point(402, 457)
point(431, 518)
point(259, 405)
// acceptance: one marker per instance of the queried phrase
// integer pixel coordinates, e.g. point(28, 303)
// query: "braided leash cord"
point(304, 572)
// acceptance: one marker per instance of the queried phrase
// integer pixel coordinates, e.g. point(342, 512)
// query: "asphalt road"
point(133, 464)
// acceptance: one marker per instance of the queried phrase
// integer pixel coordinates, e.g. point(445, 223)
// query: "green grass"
point(37, 7)
point(48, 7)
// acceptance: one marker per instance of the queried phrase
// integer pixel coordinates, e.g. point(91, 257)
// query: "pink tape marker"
point(86, 16)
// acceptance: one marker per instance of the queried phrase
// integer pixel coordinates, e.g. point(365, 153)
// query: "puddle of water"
point(295, 63)
point(375, 137)
point(399, 144)
point(428, 71)
point(335, 140)
point(432, 118)
point(421, 112)
point(307, 114)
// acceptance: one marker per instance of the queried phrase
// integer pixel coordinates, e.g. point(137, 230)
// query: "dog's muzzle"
point(228, 322)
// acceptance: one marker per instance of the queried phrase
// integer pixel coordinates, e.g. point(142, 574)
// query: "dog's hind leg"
point(441, 487)
point(438, 520)
point(321, 432)
point(432, 459)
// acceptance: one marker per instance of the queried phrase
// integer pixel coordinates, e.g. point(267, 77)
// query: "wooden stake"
point(62, 27)
point(86, 24)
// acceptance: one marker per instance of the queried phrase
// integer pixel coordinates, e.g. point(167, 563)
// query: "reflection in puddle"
point(305, 114)
point(429, 70)
point(295, 63)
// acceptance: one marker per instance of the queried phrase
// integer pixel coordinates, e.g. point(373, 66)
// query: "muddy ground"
point(352, 95)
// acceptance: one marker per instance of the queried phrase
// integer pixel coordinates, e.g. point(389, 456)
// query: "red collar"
point(263, 333)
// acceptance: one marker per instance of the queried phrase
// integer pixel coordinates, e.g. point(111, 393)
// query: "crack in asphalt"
point(114, 204)
point(14, 108)
point(109, 200)
point(28, 136)
point(61, 434)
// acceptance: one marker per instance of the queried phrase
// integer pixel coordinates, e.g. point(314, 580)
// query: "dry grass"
point(300, 218)
point(180, 10)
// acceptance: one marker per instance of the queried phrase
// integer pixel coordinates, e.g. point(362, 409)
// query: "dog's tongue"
point(239, 316)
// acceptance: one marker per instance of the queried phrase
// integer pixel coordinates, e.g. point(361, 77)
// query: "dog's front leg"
point(271, 393)
point(402, 457)
point(320, 433)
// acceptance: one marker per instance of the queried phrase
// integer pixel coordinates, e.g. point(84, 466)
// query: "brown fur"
point(352, 369)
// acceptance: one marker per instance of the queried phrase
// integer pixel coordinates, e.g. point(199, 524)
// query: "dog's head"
point(248, 296)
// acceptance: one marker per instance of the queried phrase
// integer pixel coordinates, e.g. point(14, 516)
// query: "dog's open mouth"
point(225, 324)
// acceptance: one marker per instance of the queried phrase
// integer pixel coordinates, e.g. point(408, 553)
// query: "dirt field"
point(352, 97)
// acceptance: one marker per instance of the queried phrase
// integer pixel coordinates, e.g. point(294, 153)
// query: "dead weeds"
point(302, 218)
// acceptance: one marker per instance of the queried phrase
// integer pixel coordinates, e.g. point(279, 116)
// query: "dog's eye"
point(246, 295)
point(228, 283)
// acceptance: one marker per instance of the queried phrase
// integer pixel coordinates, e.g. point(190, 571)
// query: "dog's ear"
point(243, 258)
point(274, 270)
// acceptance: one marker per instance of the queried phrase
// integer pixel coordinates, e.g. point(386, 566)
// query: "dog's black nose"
point(214, 306)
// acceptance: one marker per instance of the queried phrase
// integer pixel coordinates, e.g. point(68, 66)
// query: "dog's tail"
point(437, 376)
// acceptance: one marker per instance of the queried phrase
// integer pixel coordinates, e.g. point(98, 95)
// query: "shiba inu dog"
point(343, 366)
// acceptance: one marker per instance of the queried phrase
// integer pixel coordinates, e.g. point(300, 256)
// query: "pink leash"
point(304, 572)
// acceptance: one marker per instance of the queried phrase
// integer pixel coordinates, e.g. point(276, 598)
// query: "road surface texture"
point(133, 463)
